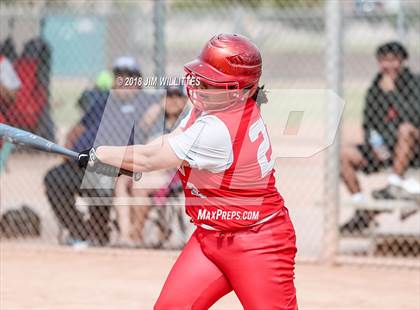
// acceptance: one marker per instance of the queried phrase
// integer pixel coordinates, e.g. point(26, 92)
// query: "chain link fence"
point(379, 215)
point(65, 54)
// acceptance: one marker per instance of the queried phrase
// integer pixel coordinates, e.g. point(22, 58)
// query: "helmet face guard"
point(207, 95)
point(228, 67)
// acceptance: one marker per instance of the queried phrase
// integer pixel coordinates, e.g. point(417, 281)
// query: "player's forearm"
point(121, 156)
point(140, 158)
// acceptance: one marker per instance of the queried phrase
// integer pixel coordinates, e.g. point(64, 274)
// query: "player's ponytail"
point(260, 96)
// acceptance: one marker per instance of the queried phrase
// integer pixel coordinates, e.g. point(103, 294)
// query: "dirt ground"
point(56, 278)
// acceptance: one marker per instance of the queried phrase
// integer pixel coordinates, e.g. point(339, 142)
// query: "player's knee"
point(406, 130)
point(351, 158)
point(345, 157)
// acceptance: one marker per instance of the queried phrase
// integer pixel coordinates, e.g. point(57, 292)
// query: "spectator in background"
point(122, 109)
point(103, 84)
point(391, 124)
point(172, 113)
point(9, 85)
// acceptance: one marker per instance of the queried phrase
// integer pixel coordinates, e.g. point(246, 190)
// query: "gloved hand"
point(88, 159)
point(83, 159)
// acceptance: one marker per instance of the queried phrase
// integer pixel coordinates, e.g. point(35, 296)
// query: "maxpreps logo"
point(227, 215)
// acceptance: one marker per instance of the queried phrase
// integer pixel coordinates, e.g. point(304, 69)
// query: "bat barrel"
point(22, 137)
point(19, 136)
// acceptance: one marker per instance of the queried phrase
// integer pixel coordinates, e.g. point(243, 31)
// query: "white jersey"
point(204, 145)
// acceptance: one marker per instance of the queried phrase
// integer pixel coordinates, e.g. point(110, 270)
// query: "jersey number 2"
point(254, 131)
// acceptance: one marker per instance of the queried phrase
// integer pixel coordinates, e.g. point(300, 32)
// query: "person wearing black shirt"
point(391, 125)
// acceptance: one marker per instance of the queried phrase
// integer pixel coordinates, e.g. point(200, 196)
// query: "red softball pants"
point(257, 264)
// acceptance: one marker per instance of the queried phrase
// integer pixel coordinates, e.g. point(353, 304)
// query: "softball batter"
point(244, 240)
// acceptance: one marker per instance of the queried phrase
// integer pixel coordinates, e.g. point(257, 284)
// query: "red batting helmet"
point(230, 62)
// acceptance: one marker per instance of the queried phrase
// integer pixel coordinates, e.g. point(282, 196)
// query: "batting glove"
point(88, 159)
point(83, 159)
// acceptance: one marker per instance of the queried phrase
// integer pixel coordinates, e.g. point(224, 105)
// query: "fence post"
point(333, 63)
point(159, 49)
point(401, 22)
